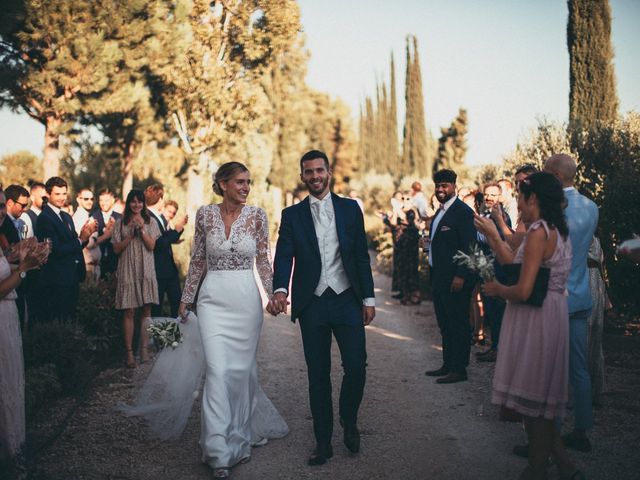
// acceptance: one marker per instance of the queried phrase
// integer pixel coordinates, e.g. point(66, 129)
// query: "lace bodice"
point(212, 250)
point(559, 262)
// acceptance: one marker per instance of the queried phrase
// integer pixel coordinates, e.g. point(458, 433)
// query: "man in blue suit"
point(451, 230)
point(582, 218)
point(332, 293)
point(60, 277)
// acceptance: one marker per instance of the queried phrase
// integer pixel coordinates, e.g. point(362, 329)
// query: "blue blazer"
point(65, 265)
point(582, 218)
point(297, 241)
point(455, 232)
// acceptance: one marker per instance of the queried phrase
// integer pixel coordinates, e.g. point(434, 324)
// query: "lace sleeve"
point(263, 253)
point(198, 263)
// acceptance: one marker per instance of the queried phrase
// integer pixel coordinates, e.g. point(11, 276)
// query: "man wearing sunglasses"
point(14, 229)
point(82, 215)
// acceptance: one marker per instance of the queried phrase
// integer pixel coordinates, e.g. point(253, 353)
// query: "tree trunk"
point(127, 171)
point(51, 163)
point(195, 191)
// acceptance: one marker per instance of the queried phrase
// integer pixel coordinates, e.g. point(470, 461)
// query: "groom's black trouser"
point(340, 315)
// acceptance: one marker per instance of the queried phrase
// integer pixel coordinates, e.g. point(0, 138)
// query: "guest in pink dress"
point(531, 376)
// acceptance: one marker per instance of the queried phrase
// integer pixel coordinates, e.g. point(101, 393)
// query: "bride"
point(229, 236)
point(236, 414)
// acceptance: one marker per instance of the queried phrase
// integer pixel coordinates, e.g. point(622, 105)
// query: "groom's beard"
point(317, 189)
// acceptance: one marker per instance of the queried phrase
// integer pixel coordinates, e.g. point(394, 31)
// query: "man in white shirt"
point(91, 252)
point(37, 194)
point(332, 295)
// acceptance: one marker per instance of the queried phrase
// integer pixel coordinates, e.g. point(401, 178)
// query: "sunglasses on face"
point(22, 205)
point(86, 199)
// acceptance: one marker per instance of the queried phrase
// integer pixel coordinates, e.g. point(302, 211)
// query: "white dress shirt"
point(27, 220)
point(436, 221)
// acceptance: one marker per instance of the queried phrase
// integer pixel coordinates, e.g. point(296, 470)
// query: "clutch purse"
point(540, 286)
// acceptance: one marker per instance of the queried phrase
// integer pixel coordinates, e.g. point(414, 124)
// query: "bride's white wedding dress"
point(236, 413)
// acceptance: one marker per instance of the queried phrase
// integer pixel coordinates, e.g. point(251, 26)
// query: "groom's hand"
point(279, 303)
point(368, 313)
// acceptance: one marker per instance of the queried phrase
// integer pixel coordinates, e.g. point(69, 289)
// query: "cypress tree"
point(592, 96)
point(452, 145)
point(394, 163)
point(416, 158)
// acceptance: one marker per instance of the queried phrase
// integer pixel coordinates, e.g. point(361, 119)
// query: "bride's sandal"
point(221, 473)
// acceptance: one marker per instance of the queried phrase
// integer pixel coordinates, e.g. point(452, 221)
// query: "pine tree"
point(592, 97)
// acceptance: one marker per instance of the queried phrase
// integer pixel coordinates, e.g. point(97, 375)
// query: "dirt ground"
point(411, 427)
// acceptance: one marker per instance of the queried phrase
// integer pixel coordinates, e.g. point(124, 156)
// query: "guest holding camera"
point(134, 238)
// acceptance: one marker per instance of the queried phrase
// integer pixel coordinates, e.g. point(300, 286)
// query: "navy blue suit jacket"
point(455, 232)
point(65, 265)
point(163, 253)
point(297, 241)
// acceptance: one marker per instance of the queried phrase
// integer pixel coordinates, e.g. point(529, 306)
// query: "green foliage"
point(592, 98)
point(452, 145)
point(99, 320)
point(63, 345)
point(546, 140)
point(19, 168)
point(610, 174)
point(41, 386)
point(379, 188)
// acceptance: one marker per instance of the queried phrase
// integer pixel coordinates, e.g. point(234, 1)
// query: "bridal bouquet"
point(166, 333)
point(477, 262)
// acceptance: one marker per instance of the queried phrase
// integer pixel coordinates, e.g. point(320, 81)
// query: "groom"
point(332, 293)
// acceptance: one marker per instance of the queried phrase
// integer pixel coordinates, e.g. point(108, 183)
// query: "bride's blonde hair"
point(226, 172)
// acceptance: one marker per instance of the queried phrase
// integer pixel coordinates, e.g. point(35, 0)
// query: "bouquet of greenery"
point(166, 333)
point(477, 262)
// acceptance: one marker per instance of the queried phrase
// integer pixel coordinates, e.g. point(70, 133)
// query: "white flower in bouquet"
point(477, 262)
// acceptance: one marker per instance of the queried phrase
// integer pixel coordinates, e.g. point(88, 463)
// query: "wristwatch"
point(23, 275)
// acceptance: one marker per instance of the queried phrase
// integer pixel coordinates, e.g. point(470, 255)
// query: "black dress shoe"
point(441, 372)
point(320, 455)
point(453, 377)
point(351, 436)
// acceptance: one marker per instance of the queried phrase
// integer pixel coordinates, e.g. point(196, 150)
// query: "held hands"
point(278, 304)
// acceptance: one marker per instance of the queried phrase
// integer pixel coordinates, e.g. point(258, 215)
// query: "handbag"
point(540, 286)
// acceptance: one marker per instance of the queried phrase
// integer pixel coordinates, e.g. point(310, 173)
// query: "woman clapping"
point(134, 237)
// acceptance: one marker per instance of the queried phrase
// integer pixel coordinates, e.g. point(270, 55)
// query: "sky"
point(504, 61)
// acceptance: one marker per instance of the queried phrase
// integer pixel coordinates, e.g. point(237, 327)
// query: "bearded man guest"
point(60, 277)
point(451, 230)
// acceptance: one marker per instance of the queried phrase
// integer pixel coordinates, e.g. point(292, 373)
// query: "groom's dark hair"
point(312, 155)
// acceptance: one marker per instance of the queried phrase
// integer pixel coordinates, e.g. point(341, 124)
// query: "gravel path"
point(411, 427)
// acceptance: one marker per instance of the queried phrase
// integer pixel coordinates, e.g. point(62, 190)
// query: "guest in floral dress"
point(134, 237)
point(532, 370)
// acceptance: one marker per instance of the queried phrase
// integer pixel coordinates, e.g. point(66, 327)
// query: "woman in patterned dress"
point(134, 237)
